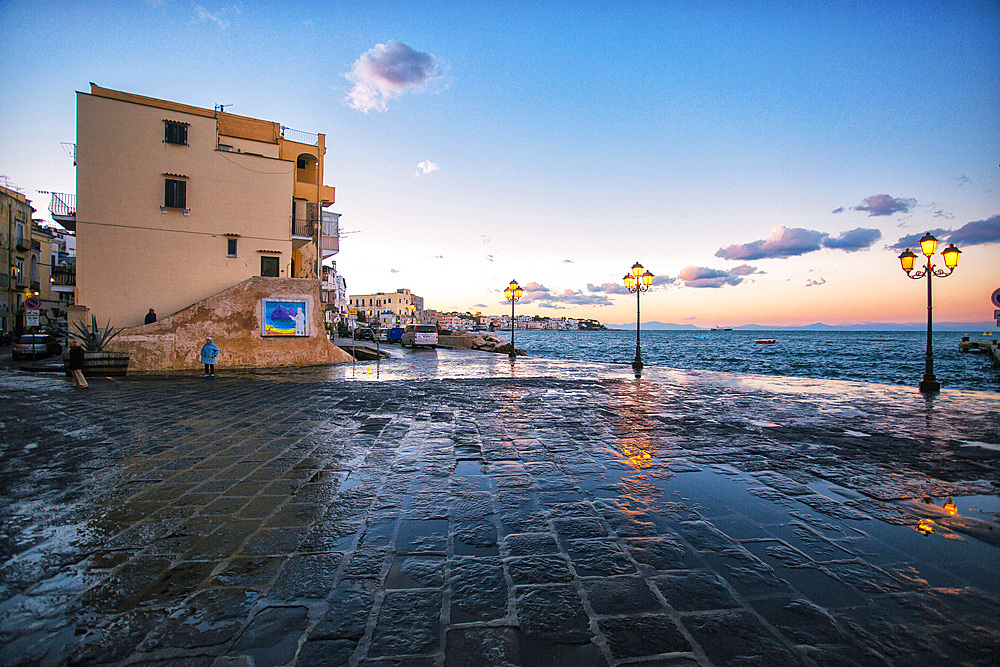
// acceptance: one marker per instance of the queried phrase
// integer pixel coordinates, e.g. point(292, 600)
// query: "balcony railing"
point(303, 227)
point(62, 204)
point(64, 276)
point(298, 136)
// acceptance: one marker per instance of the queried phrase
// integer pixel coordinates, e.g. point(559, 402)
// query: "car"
point(363, 333)
point(35, 345)
point(415, 335)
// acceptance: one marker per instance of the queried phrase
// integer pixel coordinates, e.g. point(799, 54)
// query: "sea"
point(883, 357)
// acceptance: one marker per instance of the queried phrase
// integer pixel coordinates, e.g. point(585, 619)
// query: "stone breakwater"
point(465, 510)
point(476, 340)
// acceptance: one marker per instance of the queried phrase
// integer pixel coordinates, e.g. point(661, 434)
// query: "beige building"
point(388, 307)
point(176, 203)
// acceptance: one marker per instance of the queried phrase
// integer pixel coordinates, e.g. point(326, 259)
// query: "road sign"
point(31, 303)
point(995, 298)
point(31, 318)
point(996, 314)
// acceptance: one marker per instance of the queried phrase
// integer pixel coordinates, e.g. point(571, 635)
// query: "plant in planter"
point(95, 338)
point(97, 359)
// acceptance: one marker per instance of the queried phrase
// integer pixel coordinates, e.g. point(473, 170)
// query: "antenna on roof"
point(221, 108)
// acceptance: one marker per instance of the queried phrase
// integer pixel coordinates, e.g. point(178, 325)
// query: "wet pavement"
point(452, 508)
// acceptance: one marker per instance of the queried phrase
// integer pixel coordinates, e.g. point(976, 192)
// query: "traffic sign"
point(32, 303)
point(995, 298)
point(31, 318)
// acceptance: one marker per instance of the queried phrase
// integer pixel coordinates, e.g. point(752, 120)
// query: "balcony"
point(62, 207)
point(63, 276)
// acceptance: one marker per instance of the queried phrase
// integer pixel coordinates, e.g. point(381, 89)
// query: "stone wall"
point(233, 319)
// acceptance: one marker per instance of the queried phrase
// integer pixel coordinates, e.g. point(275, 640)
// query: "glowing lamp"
point(518, 292)
point(928, 244)
point(637, 269)
point(629, 281)
point(951, 254)
point(507, 293)
point(908, 260)
point(647, 278)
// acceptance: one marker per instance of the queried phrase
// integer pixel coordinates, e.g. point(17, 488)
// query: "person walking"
point(76, 359)
point(150, 317)
point(209, 351)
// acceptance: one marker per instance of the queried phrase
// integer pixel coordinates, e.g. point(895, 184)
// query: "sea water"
point(884, 357)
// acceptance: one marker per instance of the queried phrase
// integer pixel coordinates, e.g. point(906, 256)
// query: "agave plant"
point(96, 338)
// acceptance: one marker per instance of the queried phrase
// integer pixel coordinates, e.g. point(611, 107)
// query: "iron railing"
point(62, 204)
point(298, 136)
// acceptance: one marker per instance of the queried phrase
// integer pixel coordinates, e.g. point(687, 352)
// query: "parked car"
point(363, 333)
point(415, 335)
point(37, 345)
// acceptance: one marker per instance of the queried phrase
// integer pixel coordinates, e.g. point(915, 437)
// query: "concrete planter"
point(114, 364)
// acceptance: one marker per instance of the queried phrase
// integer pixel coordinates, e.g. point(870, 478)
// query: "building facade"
point(176, 203)
point(16, 257)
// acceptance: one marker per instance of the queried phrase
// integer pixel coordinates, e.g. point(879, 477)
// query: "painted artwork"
point(284, 317)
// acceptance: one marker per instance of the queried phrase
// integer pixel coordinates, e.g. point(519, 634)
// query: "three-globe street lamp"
point(928, 244)
point(637, 281)
point(512, 293)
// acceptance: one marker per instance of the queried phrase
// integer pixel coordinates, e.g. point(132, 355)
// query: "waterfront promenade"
point(452, 508)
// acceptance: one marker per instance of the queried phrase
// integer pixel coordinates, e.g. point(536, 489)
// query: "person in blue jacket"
point(209, 351)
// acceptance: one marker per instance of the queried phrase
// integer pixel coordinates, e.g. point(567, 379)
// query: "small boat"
point(722, 328)
point(765, 341)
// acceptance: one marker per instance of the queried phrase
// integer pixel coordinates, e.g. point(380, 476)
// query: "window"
point(269, 267)
point(231, 247)
point(174, 132)
point(174, 193)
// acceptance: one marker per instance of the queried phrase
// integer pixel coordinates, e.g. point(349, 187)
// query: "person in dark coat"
point(76, 359)
point(150, 317)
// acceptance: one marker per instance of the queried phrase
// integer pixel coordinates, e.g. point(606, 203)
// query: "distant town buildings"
point(388, 308)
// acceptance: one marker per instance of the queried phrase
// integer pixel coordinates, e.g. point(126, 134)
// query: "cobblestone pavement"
point(448, 508)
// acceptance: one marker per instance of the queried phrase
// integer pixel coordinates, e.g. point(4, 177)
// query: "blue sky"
point(561, 142)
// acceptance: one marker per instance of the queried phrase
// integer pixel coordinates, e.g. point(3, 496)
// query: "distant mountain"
point(971, 328)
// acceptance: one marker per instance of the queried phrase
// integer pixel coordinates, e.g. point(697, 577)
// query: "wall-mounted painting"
point(284, 317)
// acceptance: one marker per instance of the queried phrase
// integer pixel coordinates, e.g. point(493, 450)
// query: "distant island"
point(965, 327)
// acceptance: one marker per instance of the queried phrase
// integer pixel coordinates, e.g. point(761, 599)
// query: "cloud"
point(425, 167)
point(543, 297)
point(816, 282)
point(393, 270)
point(568, 261)
point(977, 233)
point(701, 276)
point(608, 288)
point(387, 71)
point(438, 256)
point(782, 242)
point(963, 180)
point(788, 242)
point(839, 209)
point(480, 305)
point(854, 240)
point(885, 205)
point(205, 15)
point(913, 240)
point(489, 258)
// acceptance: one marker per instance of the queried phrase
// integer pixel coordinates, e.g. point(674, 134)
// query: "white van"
point(419, 334)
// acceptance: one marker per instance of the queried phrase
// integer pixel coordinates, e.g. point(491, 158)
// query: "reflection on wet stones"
point(538, 570)
point(695, 591)
point(478, 589)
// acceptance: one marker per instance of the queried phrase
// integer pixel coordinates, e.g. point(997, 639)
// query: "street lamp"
point(637, 280)
point(512, 294)
point(928, 244)
point(413, 316)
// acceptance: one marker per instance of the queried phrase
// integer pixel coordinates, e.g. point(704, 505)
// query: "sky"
point(766, 161)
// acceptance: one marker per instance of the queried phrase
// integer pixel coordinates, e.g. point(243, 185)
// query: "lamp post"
point(638, 281)
point(512, 293)
point(928, 244)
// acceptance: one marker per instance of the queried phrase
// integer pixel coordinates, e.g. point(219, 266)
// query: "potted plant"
point(98, 360)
